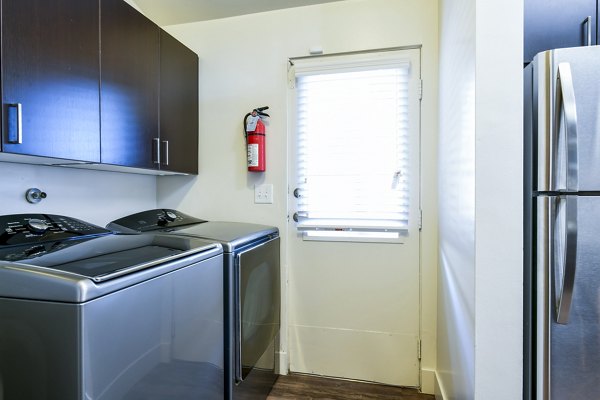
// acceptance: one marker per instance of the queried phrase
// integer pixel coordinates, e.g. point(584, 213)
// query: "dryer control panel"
point(18, 229)
point(153, 220)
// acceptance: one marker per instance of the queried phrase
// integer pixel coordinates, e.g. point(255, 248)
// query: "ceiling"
point(171, 12)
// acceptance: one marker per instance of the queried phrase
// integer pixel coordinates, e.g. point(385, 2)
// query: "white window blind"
point(352, 150)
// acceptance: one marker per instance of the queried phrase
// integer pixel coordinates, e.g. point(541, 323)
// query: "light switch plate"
point(263, 194)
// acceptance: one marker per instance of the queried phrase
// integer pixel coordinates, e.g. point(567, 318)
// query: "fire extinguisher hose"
point(244, 127)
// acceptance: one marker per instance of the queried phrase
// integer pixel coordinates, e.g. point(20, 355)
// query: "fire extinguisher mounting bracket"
point(254, 134)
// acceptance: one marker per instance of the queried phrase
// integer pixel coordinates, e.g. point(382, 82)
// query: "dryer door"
point(258, 308)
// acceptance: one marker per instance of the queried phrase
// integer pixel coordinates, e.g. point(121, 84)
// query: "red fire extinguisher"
point(254, 132)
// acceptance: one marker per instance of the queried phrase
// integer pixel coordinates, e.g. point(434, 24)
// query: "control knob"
point(168, 216)
point(37, 226)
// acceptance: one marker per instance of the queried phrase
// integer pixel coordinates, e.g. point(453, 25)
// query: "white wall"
point(480, 277)
point(93, 196)
point(243, 65)
point(456, 281)
point(499, 199)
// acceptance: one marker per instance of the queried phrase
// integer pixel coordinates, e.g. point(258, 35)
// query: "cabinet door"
point(178, 106)
point(129, 85)
point(554, 24)
point(50, 66)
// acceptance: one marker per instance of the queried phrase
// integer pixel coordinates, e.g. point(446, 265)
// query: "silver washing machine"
point(252, 293)
point(86, 314)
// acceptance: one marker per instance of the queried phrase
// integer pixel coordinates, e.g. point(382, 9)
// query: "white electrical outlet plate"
point(263, 194)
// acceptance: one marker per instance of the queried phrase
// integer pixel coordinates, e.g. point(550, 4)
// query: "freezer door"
point(574, 280)
point(575, 119)
point(538, 94)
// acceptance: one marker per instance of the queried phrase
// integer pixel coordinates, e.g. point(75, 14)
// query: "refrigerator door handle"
point(565, 115)
point(565, 263)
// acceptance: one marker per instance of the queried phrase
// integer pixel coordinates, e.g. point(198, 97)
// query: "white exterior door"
point(354, 308)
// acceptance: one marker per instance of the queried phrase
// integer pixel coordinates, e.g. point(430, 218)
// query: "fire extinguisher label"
point(253, 155)
point(251, 123)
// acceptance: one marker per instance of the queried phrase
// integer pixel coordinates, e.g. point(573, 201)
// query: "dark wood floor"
point(305, 387)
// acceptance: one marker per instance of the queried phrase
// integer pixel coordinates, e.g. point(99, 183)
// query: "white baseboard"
point(440, 393)
point(284, 362)
point(354, 354)
point(428, 381)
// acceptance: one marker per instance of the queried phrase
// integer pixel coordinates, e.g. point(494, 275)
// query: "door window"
point(353, 150)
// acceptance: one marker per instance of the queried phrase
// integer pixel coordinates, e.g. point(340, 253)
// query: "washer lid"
point(81, 269)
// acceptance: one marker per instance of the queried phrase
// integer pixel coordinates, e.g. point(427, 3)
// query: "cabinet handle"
point(157, 151)
point(14, 123)
point(166, 143)
point(588, 30)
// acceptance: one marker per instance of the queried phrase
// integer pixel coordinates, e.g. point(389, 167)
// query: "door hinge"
point(420, 219)
point(419, 349)
point(420, 89)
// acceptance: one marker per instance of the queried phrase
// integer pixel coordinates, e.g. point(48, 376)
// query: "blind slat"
point(353, 145)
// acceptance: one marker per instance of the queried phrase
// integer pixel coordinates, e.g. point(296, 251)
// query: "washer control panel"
point(153, 220)
point(18, 229)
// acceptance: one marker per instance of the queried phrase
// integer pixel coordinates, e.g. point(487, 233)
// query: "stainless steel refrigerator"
point(562, 225)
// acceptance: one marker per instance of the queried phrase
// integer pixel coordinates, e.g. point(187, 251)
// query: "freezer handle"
point(565, 281)
point(566, 116)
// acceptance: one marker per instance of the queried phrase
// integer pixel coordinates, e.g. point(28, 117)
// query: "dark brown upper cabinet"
point(50, 71)
point(95, 81)
point(178, 106)
point(554, 24)
point(129, 87)
point(149, 94)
